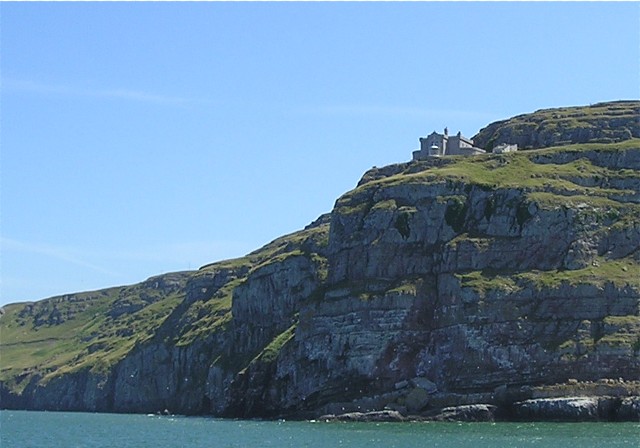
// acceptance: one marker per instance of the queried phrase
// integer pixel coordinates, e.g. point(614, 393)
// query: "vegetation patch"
point(88, 337)
point(389, 204)
point(316, 236)
point(552, 200)
point(205, 317)
point(620, 272)
point(270, 352)
point(455, 214)
point(522, 214)
point(279, 258)
point(484, 281)
point(489, 208)
point(603, 122)
point(530, 171)
point(407, 287)
point(401, 224)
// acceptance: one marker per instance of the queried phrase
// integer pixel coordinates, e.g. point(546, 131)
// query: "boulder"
point(423, 383)
point(629, 409)
point(558, 409)
point(417, 400)
point(466, 413)
point(375, 416)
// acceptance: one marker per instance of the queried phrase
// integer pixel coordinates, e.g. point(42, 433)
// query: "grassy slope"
point(94, 330)
point(608, 122)
point(90, 337)
point(514, 170)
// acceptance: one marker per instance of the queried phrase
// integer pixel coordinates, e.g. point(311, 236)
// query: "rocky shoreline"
point(605, 400)
point(567, 409)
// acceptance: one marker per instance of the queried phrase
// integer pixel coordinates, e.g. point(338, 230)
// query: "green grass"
point(88, 339)
point(389, 204)
point(406, 287)
point(623, 321)
point(26, 345)
point(633, 143)
point(621, 331)
point(207, 316)
point(518, 170)
point(352, 205)
point(484, 282)
point(513, 170)
point(551, 200)
point(620, 272)
point(272, 350)
point(279, 258)
point(479, 243)
point(300, 240)
point(611, 122)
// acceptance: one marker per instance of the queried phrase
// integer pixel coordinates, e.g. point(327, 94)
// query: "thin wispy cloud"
point(56, 252)
point(17, 85)
point(397, 111)
point(192, 253)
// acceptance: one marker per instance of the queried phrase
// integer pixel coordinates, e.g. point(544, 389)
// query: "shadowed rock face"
point(450, 282)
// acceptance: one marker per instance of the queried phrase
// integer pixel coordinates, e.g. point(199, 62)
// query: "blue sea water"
point(21, 429)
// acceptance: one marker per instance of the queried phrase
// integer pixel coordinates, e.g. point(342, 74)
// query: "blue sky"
point(143, 138)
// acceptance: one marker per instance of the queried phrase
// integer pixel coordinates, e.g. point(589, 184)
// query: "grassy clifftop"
point(599, 123)
point(563, 174)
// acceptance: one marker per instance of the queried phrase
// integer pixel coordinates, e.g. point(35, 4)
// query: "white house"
point(501, 149)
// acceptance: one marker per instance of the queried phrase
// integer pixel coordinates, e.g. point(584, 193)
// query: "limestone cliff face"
point(471, 287)
point(451, 281)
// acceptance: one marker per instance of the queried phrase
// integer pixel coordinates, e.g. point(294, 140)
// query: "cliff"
point(499, 281)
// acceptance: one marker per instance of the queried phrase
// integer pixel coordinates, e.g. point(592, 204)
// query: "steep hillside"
point(74, 352)
point(91, 330)
point(599, 123)
point(496, 281)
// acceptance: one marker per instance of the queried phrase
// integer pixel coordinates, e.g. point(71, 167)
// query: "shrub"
point(402, 224)
point(455, 214)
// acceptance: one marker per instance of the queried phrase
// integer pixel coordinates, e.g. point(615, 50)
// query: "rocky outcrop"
point(629, 409)
point(367, 417)
point(502, 286)
point(579, 409)
point(466, 413)
point(602, 123)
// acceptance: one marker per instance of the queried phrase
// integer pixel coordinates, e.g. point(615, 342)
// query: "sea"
point(27, 429)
